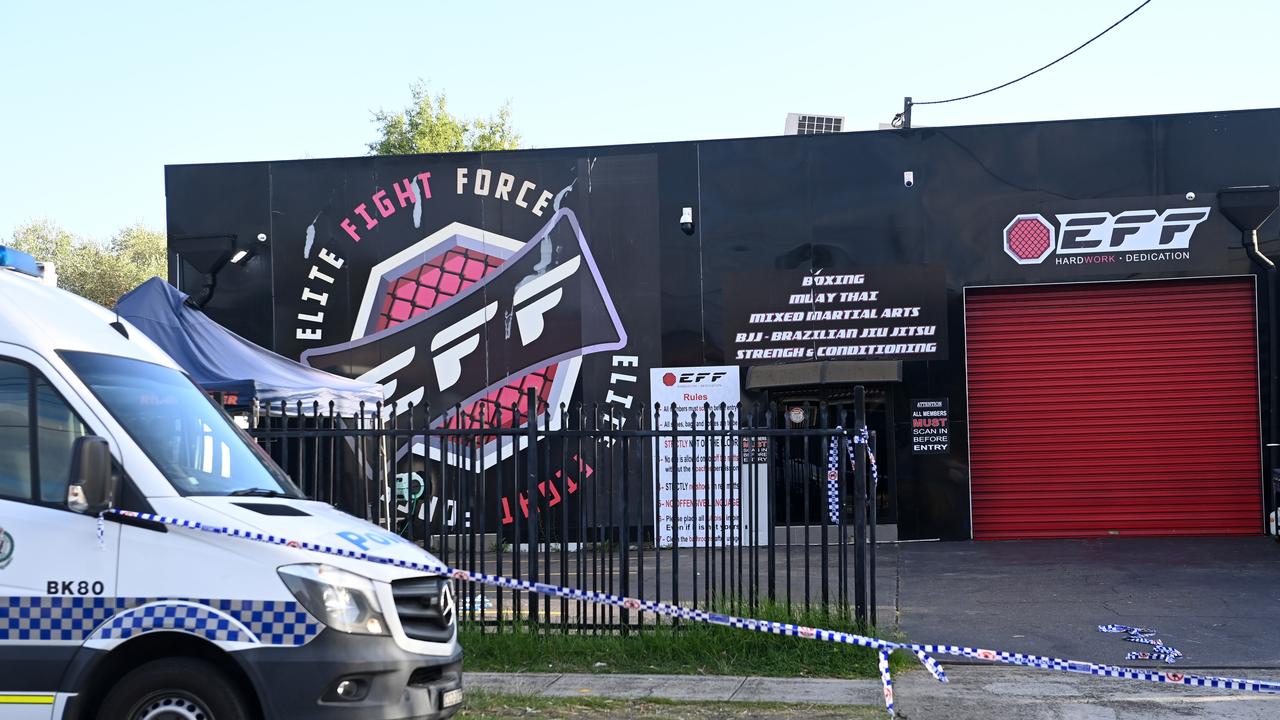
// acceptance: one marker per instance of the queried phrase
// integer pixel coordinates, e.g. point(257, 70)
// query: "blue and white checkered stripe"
point(55, 618)
point(273, 622)
point(78, 619)
point(886, 681)
point(864, 438)
point(184, 616)
point(1146, 636)
point(1088, 668)
point(921, 652)
point(833, 470)
point(833, 481)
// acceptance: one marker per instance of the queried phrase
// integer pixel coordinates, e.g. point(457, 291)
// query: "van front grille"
point(425, 607)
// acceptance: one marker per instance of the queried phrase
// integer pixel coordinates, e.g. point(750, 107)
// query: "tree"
point(143, 250)
point(427, 126)
point(43, 240)
point(101, 272)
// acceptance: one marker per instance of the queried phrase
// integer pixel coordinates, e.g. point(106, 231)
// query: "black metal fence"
point(718, 508)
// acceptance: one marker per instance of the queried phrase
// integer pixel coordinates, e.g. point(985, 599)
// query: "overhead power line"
point(898, 120)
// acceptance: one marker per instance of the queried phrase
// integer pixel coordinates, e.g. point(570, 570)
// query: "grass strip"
point(689, 649)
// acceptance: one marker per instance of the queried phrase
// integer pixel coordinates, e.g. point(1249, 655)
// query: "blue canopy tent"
point(222, 362)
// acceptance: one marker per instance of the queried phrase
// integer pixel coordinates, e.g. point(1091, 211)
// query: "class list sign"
point(872, 313)
point(707, 490)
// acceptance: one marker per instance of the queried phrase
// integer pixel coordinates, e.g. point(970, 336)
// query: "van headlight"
point(341, 600)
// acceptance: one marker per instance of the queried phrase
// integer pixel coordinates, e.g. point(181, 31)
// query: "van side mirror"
point(92, 486)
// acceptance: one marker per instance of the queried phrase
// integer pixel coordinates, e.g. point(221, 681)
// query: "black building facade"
point(1061, 327)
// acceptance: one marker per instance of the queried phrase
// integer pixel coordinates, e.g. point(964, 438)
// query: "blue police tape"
point(865, 438)
point(922, 652)
point(833, 470)
point(1146, 636)
point(1128, 630)
point(833, 482)
point(886, 680)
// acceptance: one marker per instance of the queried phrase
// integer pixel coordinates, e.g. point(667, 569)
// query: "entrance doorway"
point(800, 468)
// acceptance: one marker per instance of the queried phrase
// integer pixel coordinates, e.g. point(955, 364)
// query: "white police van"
point(153, 622)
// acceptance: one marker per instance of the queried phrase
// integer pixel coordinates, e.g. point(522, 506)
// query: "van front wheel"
point(175, 689)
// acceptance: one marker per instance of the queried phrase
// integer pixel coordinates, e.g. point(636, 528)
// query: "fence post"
point(387, 473)
point(825, 517)
point(772, 518)
point(871, 533)
point(859, 507)
point(675, 509)
point(564, 511)
point(531, 493)
point(624, 531)
point(843, 483)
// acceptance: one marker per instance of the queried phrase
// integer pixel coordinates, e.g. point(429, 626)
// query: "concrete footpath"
point(973, 692)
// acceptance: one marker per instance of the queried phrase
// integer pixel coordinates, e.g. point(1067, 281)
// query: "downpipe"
point(1268, 271)
point(1249, 208)
point(1268, 267)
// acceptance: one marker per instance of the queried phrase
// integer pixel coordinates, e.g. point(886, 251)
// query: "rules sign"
point(708, 490)
point(929, 427)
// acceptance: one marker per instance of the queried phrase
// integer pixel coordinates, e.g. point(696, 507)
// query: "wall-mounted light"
point(209, 254)
point(242, 254)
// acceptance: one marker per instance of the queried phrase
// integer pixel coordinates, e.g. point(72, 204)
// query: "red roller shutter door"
point(1114, 409)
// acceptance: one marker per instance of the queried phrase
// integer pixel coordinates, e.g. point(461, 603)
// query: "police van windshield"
point(188, 437)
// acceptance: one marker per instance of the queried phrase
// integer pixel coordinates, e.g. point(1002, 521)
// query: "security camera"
point(686, 220)
point(908, 179)
point(1191, 196)
point(262, 237)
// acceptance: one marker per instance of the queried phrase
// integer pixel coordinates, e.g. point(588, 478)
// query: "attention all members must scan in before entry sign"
point(930, 433)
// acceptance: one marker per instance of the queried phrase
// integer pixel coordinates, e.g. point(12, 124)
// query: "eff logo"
point(670, 379)
point(1030, 239)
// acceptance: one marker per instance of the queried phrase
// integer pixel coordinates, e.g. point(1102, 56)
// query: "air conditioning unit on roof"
point(806, 124)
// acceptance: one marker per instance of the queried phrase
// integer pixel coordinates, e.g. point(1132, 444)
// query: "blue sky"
point(95, 98)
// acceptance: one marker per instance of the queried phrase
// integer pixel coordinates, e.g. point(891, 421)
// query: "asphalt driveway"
point(1215, 599)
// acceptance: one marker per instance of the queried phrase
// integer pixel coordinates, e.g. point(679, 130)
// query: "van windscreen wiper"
point(257, 492)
